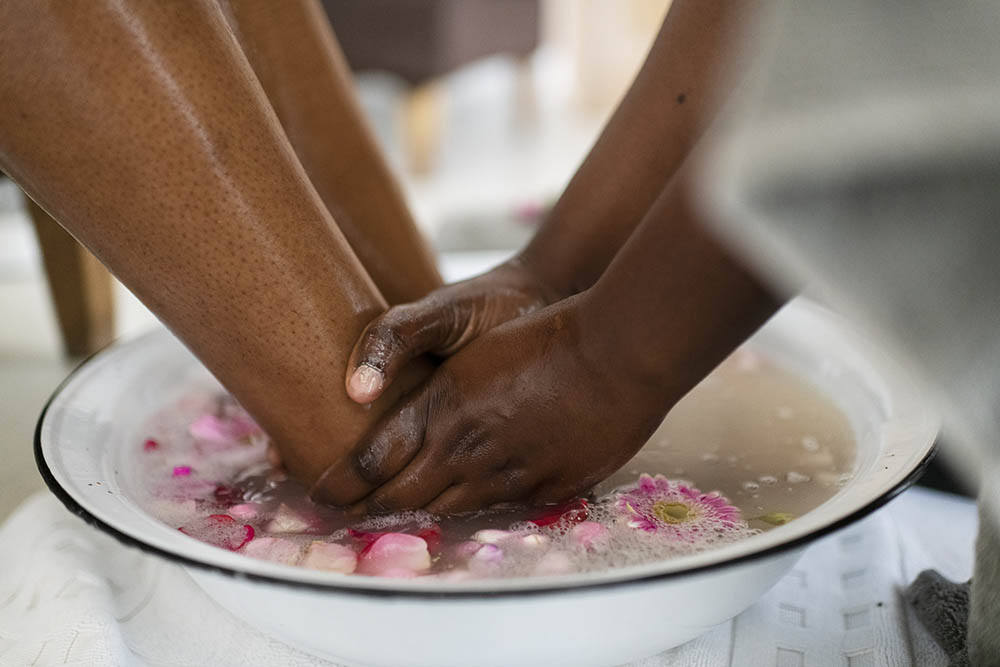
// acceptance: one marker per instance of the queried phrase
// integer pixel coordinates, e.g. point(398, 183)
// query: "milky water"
point(750, 448)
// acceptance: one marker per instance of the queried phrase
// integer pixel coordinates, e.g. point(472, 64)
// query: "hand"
point(534, 410)
point(443, 322)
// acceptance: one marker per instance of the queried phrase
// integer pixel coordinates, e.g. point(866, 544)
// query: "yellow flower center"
point(672, 512)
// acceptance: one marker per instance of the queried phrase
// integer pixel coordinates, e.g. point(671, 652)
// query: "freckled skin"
point(141, 128)
point(297, 60)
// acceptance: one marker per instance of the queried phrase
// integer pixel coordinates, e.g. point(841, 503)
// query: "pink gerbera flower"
point(658, 505)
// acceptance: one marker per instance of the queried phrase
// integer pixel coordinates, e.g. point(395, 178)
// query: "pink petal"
point(646, 484)
point(288, 520)
point(589, 534)
point(534, 541)
point(364, 536)
point(248, 535)
point(230, 429)
point(642, 523)
point(395, 551)
point(209, 427)
point(488, 553)
point(330, 557)
point(573, 511)
point(220, 530)
point(467, 549)
point(432, 536)
point(273, 549)
point(245, 510)
point(492, 536)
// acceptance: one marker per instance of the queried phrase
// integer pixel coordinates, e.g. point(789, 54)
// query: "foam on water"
point(200, 468)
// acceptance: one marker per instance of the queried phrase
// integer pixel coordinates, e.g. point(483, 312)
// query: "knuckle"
point(384, 340)
point(333, 490)
point(380, 505)
point(512, 480)
point(367, 464)
point(464, 448)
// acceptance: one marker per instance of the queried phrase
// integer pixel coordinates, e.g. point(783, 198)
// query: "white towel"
point(72, 595)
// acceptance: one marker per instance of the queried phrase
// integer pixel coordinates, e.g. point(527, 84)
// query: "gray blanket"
point(862, 159)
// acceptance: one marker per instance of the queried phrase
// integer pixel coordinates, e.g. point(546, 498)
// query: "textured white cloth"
point(71, 595)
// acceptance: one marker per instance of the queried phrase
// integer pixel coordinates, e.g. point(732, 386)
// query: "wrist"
point(534, 272)
point(649, 351)
point(639, 393)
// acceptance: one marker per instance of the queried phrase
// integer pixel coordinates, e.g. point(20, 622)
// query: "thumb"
point(390, 341)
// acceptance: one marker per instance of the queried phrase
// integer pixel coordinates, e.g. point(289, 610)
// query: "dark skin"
point(544, 406)
point(141, 127)
point(568, 372)
point(298, 62)
point(645, 141)
point(197, 194)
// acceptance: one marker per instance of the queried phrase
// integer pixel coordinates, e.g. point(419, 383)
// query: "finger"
point(473, 496)
point(418, 483)
point(391, 340)
point(468, 497)
point(386, 448)
point(416, 492)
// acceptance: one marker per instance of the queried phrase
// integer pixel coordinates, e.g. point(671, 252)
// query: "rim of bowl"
point(529, 589)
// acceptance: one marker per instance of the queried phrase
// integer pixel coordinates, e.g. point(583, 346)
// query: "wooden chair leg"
point(422, 120)
point(80, 285)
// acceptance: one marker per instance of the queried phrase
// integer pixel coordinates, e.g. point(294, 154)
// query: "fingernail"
point(366, 381)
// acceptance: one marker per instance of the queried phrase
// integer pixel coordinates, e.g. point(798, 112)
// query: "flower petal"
point(588, 535)
point(395, 552)
point(489, 536)
point(273, 549)
point(573, 511)
point(535, 541)
point(245, 510)
point(229, 429)
point(488, 553)
point(288, 520)
point(220, 530)
point(331, 557)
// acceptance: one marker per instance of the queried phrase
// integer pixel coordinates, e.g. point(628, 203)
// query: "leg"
point(156, 148)
point(303, 71)
point(80, 286)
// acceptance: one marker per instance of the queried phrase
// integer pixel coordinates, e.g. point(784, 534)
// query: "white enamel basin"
point(92, 418)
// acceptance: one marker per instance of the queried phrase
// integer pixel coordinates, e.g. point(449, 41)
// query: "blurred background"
point(483, 107)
